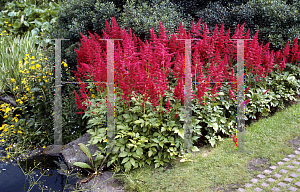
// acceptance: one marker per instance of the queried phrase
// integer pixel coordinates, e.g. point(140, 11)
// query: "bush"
point(276, 21)
point(140, 17)
point(80, 17)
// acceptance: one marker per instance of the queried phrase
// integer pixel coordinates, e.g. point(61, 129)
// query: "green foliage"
point(98, 159)
point(80, 17)
point(34, 16)
point(141, 16)
point(276, 21)
point(13, 49)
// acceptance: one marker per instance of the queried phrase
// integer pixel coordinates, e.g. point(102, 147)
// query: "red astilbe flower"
point(234, 139)
point(247, 88)
point(296, 52)
point(168, 106)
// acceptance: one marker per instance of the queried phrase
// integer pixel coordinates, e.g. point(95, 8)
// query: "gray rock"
point(71, 154)
point(8, 99)
point(104, 183)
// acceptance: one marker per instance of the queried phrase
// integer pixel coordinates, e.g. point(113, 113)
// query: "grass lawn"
point(214, 169)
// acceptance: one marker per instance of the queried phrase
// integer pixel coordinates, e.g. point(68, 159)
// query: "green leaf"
point(124, 154)
point(150, 153)
point(127, 166)
point(125, 160)
point(180, 132)
point(139, 151)
point(194, 148)
point(214, 126)
point(82, 165)
point(126, 116)
point(223, 119)
point(99, 157)
point(132, 161)
point(148, 161)
point(85, 150)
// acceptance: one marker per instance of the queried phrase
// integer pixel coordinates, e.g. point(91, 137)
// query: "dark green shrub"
point(276, 21)
point(141, 16)
point(80, 17)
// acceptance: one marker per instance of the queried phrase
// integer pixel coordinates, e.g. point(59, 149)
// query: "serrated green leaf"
point(82, 165)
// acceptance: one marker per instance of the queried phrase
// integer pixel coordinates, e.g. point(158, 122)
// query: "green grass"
point(214, 167)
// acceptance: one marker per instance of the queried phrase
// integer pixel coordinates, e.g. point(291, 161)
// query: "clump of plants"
point(150, 112)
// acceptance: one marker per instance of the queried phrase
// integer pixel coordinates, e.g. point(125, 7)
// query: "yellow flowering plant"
point(23, 124)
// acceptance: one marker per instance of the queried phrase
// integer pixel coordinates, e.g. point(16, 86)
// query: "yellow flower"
point(39, 80)
point(7, 156)
point(2, 140)
point(16, 120)
point(5, 149)
point(4, 116)
point(27, 71)
point(38, 65)
point(9, 24)
point(27, 89)
point(93, 96)
point(13, 80)
point(7, 109)
point(20, 131)
point(14, 132)
point(32, 57)
point(49, 73)
point(46, 58)
point(40, 54)
point(5, 22)
point(46, 81)
point(44, 147)
point(21, 102)
point(65, 65)
point(12, 125)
